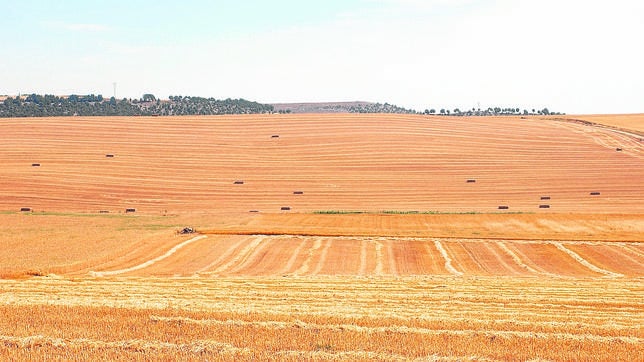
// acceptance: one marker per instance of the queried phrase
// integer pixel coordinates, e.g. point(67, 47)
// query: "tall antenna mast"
point(114, 84)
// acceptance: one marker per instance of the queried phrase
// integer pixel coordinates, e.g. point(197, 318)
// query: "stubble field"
point(386, 251)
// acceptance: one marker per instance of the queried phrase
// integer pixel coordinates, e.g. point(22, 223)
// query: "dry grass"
point(323, 318)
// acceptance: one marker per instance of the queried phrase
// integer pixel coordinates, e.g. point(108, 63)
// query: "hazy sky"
point(572, 56)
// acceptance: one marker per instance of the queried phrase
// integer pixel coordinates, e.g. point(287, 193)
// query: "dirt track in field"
point(626, 122)
point(338, 162)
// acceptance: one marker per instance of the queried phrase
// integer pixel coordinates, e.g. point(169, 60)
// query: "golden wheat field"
point(322, 237)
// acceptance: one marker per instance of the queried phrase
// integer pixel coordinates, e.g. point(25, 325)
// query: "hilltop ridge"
point(339, 107)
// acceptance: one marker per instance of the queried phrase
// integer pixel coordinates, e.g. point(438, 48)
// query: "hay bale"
point(109, 155)
point(103, 211)
point(285, 208)
point(503, 207)
point(618, 149)
point(545, 197)
point(595, 193)
point(25, 209)
point(544, 206)
point(130, 210)
point(35, 165)
point(471, 180)
point(254, 211)
point(298, 192)
point(238, 182)
point(275, 136)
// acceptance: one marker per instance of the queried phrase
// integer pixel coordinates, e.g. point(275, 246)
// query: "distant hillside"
point(339, 107)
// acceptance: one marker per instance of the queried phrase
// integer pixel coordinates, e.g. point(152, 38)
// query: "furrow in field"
point(391, 260)
point(276, 255)
point(464, 259)
point(295, 257)
point(585, 262)
point(436, 261)
point(552, 260)
point(613, 257)
point(252, 262)
point(149, 262)
point(494, 259)
point(342, 257)
point(142, 346)
point(417, 257)
point(185, 261)
point(206, 347)
point(523, 259)
point(379, 269)
point(304, 269)
point(516, 258)
point(409, 330)
point(321, 260)
point(363, 257)
point(222, 250)
point(447, 258)
point(239, 256)
point(633, 249)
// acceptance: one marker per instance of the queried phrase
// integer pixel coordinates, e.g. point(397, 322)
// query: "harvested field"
point(623, 260)
point(323, 318)
point(627, 122)
point(339, 162)
point(386, 253)
point(300, 244)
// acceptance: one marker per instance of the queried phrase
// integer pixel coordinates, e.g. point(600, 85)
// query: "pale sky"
point(571, 56)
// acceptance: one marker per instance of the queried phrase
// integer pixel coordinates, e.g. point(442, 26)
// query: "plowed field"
point(386, 252)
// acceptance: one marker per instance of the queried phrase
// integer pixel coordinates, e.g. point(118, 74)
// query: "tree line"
point(35, 105)
point(492, 111)
point(379, 108)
